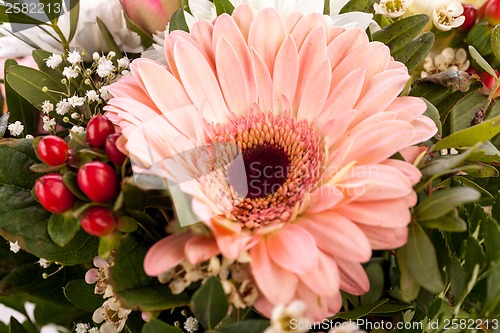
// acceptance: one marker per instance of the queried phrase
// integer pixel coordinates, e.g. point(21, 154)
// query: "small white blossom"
point(125, 72)
point(448, 60)
point(14, 247)
point(123, 63)
point(74, 57)
point(105, 95)
point(47, 107)
point(76, 101)
point(63, 107)
point(281, 317)
point(29, 136)
point(191, 325)
point(16, 128)
point(53, 61)
point(105, 67)
point(448, 15)
point(70, 72)
point(43, 263)
point(92, 96)
point(392, 8)
point(111, 54)
point(96, 56)
point(48, 124)
point(75, 116)
point(94, 330)
point(76, 129)
point(81, 328)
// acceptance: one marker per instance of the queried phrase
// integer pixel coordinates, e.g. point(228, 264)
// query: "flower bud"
point(151, 15)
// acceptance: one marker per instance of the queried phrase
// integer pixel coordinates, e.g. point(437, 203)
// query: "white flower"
point(74, 57)
point(94, 330)
point(123, 63)
point(105, 67)
point(281, 318)
point(54, 60)
point(63, 107)
point(92, 96)
point(16, 128)
point(48, 124)
point(43, 263)
point(191, 325)
point(76, 101)
point(347, 327)
point(29, 136)
point(111, 54)
point(448, 60)
point(81, 328)
point(76, 129)
point(70, 72)
point(47, 107)
point(448, 15)
point(392, 8)
point(14, 247)
point(105, 95)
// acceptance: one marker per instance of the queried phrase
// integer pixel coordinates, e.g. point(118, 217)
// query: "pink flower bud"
point(151, 15)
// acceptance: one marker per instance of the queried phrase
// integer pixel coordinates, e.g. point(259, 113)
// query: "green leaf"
point(450, 222)
point(407, 284)
point(360, 311)
point(108, 38)
point(493, 288)
point(376, 277)
point(223, 6)
point(433, 113)
point(4, 123)
point(15, 326)
point(413, 54)
point(63, 228)
point(28, 83)
point(23, 219)
point(462, 113)
point(50, 9)
point(156, 326)
point(108, 244)
point(457, 277)
point(396, 36)
point(19, 108)
point(445, 164)
point(473, 254)
point(365, 6)
point(40, 57)
point(478, 58)
point(133, 287)
point(73, 18)
point(491, 234)
point(495, 42)
point(82, 294)
point(422, 262)
point(209, 303)
point(479, 38)
point(245, 326)
point(178, 21)
point(70, 180)
point(441, 202)
point(469, 137)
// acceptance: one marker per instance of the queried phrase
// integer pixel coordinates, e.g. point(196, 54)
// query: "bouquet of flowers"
point(250, 166)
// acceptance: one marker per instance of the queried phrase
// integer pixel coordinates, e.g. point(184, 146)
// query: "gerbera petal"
point(385, 238)
point(315, 93)
point(263, 82)
point(344, 43)
point(293, 248)
point(324, 279)
point(200, 248)
point(156, 262)
point(388, 213)
point(353, 278)
point(286, 71)
point(274, 282)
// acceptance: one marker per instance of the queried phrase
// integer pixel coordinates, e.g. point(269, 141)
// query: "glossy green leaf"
point(407, 284)
point(493, 288)
point(63, 228)
point(209, 303)
point(495, 42)
point(4, 123)
point(365, 6)
point(16, 327)
point(246, 326)
point(478, 58)
point(157, 326)
point(376, 277)
point(413, 54)
point(70, 180)
point(82, 294)
point(223, 6)
point(441, 202)
point(19, 108)
point(449, 222)
point(480, 38)
point(462, 113)
point(398, 35)
point(422, 262)
point(433, 113)
point(108, 244)
point(491, 234)
point(178, 21)
point(108, 38)
point(473, 254)
point(445, 164)
point(360, 311)
point(456, 277)
point(462, 181)
point(470, 136)
point(73, 18)
point(23, 219)
point(133, 287)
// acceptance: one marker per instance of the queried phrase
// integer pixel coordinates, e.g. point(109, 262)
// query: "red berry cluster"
point(96, 179)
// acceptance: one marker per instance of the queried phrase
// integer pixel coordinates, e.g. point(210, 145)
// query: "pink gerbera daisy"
point(317, 101)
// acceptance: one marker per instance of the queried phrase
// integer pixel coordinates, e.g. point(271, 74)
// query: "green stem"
point(64, 41)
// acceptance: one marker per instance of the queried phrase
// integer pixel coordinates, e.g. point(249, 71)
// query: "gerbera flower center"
point(282, 159)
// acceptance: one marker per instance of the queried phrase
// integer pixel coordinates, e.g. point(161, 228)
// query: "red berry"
point(98, 221)
point(491, 12)
point(98, 129)
point(98, 181)
point(116, 156)
point(52, 150)
point(470, 14)
point(53, 193)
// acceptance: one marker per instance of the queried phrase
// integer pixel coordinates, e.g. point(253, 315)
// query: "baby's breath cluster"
point(85, 87)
